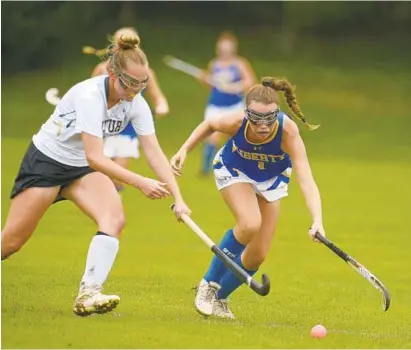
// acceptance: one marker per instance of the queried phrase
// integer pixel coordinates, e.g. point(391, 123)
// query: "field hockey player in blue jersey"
point(252, 172)
point(230, 75)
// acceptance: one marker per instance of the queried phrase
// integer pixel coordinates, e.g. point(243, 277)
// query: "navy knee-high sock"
point(229, 282)
point(232, 248)
point(208, 154)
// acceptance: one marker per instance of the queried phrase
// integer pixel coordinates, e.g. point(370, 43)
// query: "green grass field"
point(361, 161)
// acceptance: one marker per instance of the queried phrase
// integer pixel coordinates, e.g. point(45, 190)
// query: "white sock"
point(101, 255)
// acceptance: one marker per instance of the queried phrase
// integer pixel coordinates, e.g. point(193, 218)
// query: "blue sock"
point(209, 151)
point(232, 248)
point(229, 283)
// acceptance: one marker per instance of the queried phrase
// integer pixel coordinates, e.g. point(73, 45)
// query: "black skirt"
point(38, 170)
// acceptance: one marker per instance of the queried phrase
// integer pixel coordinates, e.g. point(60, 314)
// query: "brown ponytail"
point(266, 93)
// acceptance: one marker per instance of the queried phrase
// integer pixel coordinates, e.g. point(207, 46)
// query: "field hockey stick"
point(261, 289)
point(386, 299)
point(182, 66)
point(193, 71)
point(52, 96)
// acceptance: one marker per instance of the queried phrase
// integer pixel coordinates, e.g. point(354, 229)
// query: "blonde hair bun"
point(128, 42)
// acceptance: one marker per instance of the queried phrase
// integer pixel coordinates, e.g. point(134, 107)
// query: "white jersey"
point(84, 109)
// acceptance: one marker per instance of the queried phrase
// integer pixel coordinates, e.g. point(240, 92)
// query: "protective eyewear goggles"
point(262, 118)
point(127, 82)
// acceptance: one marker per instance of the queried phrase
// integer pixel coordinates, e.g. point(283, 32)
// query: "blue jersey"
point(129, 130)
point(229, 74)
point(259, 161)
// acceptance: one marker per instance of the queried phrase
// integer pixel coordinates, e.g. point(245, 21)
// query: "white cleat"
point(220, 309)
point(90, 300)
point(205, 297)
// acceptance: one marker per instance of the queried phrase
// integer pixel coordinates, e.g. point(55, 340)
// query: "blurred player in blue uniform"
point(233, 75)
point(252, 173)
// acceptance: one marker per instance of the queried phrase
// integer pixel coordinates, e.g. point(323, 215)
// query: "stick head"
point(261, 289)
point(386, 299)
point(266, 285)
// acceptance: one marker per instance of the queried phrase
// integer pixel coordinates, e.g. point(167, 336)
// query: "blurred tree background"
point(43, 34)
point(341, 55)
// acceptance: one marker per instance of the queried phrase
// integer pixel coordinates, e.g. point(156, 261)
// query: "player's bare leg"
point(243, 203)
point(254, 253)
point(96, 196)
point(26, 210)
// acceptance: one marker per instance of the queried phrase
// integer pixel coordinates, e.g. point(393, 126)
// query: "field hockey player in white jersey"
point(123, 147)
point(66, 161)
